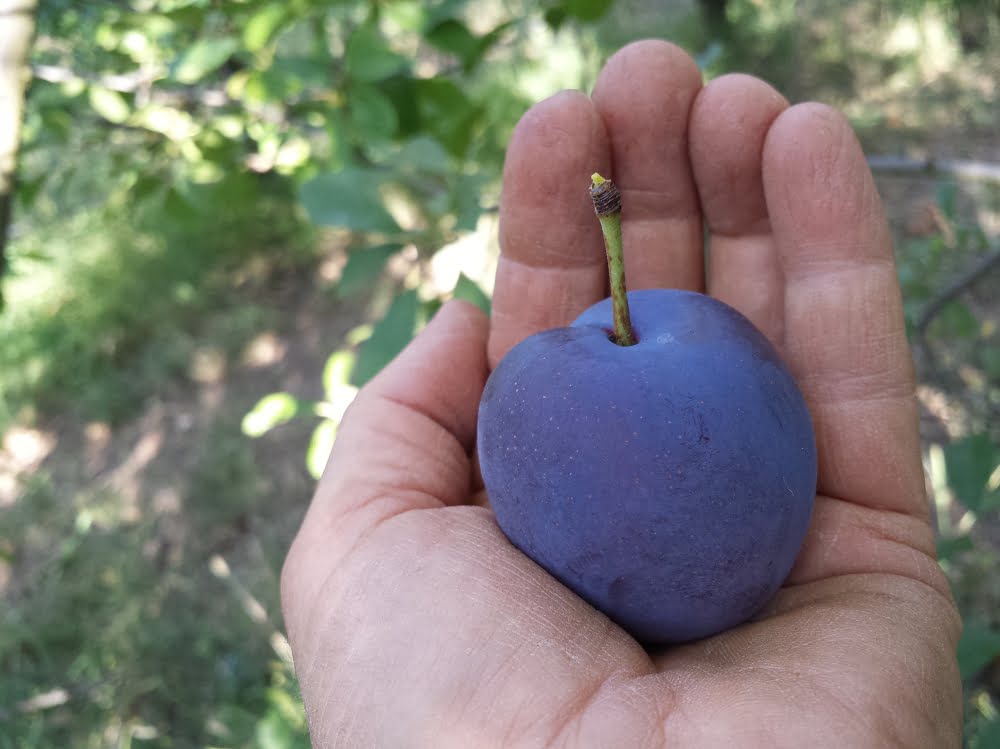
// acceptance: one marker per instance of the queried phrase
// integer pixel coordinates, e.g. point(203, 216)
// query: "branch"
point(931, 167)
point(125, 83)
point(962, 283)
point(137, 82)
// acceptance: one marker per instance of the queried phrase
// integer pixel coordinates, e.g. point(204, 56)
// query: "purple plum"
point(668, 483)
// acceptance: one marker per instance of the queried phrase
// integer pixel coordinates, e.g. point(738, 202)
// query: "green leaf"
point(29, 189)
point(989, 356)
point(403, 93)
point(271, 411)
point(447, 113)
point(442, 10)
point(555, 17)
point(947, 548)
point(349, 198)
point(203, 57)
point(273, 732)
point(454, 37)
point(970, 462)
point(587, 10)
point(408, 15)
point(945, 194)
point(978, 646)
point(364, 265)
point(337, 372)
point(466, 203)
point(958, 321)
point(109, 104)
point(264, 25)
point(390, 336)
point(372, 112)
point(320, 446)
point(369, 58)
point(470, 291)
point(424, 154)
point(987, 737)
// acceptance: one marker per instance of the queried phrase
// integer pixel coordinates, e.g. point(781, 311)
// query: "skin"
point(413, 621)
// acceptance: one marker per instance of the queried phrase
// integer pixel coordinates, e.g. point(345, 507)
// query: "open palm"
point(413, 620)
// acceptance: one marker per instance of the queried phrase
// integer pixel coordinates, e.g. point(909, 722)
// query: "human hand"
point(415, 623)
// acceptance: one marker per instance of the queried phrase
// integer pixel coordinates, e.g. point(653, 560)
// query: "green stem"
point(608, 206)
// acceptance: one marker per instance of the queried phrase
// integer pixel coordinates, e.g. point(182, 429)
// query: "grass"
point(116, 307)
point(140, 591)
point(138, 571)
point(138, 619)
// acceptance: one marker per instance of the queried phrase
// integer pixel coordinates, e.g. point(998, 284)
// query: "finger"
point(552, 265)
point(644, 95)
point(404, 442)
point(868, 659)
point(845, 338)
point(729, 121)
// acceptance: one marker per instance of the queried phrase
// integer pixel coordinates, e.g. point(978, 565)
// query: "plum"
point(668, 483)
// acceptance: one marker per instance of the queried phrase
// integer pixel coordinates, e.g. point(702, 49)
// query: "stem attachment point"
point(608, 206)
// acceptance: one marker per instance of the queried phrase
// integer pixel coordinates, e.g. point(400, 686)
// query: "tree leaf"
point(454, 37)
point(977, 647)
point(970, 461)
point(466, 200)
point(987, 737)
point(587, 10)
point(109, 104)
point(947, 548)
point(447, 113)
point(369, 58)
point(958, 321)
point(372, 112)
point(349, 198)
point(337, 372)
point(424, 154)
point(390, 336)
point(271, 411)
point(470, 291)
point(989, 357)
point(364, 265)
point(264, 25)
point(203, 57)
point(320, 446)
point(555, 17)
point(945, 194)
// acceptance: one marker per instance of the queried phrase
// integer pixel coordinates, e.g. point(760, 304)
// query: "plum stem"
point(608, 206)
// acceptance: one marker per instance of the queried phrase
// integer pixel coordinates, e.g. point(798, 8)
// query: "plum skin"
point(670, 483)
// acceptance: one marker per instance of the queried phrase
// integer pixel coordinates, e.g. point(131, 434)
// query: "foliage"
point(957, 348)
point(176, 152)
point(138, 625)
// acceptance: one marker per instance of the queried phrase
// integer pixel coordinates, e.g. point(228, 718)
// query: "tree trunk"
point(17, 29)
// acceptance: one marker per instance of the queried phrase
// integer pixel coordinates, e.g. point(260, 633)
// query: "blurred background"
point(228, 215)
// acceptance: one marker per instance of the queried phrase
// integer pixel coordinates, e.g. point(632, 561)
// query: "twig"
point(931, 167)
point(963, 282)
point(125, 83)
point(931, 310)
point(139, 82)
